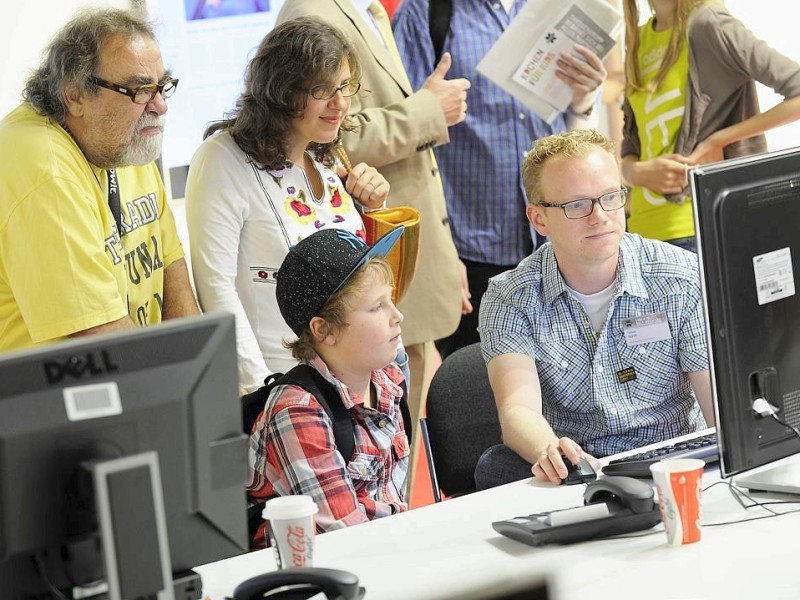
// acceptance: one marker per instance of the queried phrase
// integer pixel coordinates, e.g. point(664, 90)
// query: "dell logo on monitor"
point(80, 365)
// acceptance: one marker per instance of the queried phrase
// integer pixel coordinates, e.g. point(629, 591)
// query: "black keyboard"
point(638, 465)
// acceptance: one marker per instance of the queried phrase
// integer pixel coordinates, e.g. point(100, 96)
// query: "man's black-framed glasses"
point(326, 92)
point(583, 207)
point(142, 94)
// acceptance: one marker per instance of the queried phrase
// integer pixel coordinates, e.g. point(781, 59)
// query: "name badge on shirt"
point(646, 328)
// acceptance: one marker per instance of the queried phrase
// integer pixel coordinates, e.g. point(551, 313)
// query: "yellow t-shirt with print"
point(63, 266)
point(659, 115)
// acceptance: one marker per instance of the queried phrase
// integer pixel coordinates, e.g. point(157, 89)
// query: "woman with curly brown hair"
point(266, 177)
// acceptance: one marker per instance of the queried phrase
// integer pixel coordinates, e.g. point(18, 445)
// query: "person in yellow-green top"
point(81, 144)
point(691, 99)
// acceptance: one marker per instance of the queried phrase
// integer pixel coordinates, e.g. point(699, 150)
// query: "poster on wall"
point(207, 45)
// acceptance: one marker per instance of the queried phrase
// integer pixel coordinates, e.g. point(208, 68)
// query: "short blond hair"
point(578, 142)
point(335, 309)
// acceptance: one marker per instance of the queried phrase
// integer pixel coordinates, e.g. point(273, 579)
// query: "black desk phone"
point(612, 506)
point(300, 583)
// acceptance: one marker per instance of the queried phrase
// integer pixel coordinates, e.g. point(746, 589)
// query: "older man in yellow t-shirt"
point(87, 240)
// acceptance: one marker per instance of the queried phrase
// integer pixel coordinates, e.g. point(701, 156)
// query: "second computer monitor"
point(747, 215)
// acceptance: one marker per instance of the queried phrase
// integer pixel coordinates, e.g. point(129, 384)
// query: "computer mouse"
point(580, 473)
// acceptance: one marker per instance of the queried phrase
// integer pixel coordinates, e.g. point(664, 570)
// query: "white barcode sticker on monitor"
point(92, 401)
point(774, 275)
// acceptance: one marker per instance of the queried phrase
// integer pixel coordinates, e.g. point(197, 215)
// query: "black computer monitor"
point(122, 460)
point(747, 215)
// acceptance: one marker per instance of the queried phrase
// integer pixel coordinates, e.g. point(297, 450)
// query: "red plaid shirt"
point(293, 451)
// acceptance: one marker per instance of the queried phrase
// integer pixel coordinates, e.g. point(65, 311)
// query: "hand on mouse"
point(551, 466)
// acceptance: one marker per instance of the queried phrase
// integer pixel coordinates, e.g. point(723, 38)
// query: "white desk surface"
point(449, 550)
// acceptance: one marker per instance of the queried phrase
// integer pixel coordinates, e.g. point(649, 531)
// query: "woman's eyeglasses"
point(326, 92)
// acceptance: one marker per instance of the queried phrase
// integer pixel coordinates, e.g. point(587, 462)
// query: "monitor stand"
point(129, 505)
point(782, 478)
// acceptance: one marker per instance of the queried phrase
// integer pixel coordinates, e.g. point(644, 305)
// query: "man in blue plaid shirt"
point(595, 344)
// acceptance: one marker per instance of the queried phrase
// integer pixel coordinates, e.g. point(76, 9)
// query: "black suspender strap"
point(439, 14)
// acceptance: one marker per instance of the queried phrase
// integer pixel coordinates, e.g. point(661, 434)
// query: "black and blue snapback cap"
point(318, 266)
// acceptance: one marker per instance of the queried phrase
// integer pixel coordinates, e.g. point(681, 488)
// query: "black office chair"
point(461, 422)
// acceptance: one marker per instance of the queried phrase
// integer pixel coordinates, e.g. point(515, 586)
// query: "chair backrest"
point(461, 419)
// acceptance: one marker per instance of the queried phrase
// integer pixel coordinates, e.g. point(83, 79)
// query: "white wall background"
point(25, 29)
point(771, 21)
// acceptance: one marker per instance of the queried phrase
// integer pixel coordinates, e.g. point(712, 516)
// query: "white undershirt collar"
point(596, 305)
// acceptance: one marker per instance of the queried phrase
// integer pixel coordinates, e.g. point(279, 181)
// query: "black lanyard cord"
point(114, 199)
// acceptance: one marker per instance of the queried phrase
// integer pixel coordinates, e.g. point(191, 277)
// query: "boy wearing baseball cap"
point(335, 293)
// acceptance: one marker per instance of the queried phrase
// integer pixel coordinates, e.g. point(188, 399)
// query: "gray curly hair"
point(73, 55)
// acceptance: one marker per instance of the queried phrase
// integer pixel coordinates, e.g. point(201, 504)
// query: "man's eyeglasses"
point(583, 207)
point(142, 94)
point(326, 92)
